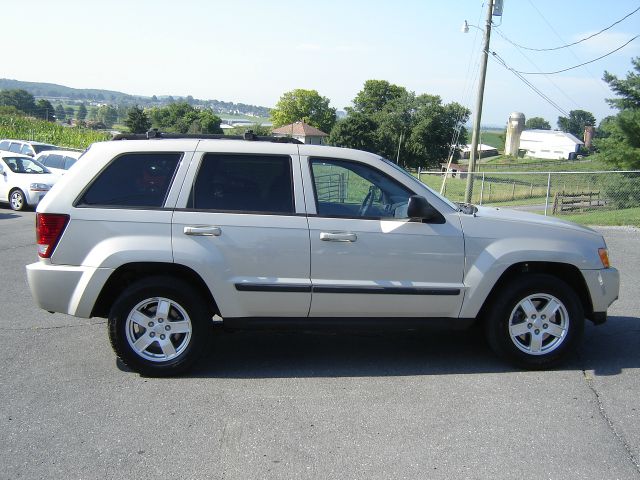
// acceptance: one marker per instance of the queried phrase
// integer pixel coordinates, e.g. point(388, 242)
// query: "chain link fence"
point(595, 197)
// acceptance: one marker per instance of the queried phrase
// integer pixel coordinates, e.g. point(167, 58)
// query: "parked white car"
point(26, 147)
point(23, 180)
point(160, 235)
point(58, 161)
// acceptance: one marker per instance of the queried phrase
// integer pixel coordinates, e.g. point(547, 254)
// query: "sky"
point(253, 51)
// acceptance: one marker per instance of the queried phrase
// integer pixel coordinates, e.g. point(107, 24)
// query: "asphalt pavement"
point(322, 406)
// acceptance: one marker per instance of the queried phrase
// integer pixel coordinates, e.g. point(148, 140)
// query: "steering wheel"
point(367, 202)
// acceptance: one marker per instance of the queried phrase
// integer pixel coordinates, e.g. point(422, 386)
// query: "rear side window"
point(4, 145)
point(15, 147)
point(53, 161)
point(244, 183)
point(133, 180)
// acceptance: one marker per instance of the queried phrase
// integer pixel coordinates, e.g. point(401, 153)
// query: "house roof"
point(300, 129)
point(541, 135)
point(481, 147)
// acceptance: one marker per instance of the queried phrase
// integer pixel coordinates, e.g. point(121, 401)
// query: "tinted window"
point(53, 161)
point(26, 150)
point(133, 180)
point(244, 183)
point(15, 147)
point(68, 162)
point(4, 145)
point(42, 148)
point(351, 189)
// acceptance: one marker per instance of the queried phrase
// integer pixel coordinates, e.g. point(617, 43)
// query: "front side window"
point(24, 165)
point(352, 189)
point(133, 180)
point(243, 183)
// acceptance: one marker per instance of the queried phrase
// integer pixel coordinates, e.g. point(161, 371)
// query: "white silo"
point(515, 126)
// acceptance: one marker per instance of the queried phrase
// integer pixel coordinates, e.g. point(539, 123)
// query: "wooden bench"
point(576, 201)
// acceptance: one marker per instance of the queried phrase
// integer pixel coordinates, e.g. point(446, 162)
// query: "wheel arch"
point(129, 273)
point(570, 274)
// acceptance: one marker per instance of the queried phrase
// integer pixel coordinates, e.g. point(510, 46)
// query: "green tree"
point(70, 112)
point(576, 121)
point(395, 123)
point(137, 120)
point(20, 99)
point(304, 105)
point(356, 131)
point(537, 123)
point(81, 115)
point(619, 139)
point(375, 96)
point(107, 115)
point(61, 115)
point(45, 110)
point(180, 117)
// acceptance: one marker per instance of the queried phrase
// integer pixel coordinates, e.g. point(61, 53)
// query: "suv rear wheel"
point(535, 322)
point(159, 326)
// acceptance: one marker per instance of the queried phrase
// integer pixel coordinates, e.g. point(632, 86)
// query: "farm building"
point(551, 144)
point(484, 150)
point(302, 131)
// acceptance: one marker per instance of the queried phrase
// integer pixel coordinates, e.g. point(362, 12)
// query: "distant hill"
point(53, 92)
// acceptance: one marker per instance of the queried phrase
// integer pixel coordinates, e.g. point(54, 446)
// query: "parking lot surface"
point(289, 405)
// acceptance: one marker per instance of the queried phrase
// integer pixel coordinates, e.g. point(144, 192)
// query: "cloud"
point(317, 48)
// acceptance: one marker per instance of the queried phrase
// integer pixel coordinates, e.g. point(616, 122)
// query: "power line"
point(582, 64)
point(568, 44)
point(499, 59)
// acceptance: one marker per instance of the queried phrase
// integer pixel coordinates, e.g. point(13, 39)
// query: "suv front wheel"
point(535, 322)
point(159, 326)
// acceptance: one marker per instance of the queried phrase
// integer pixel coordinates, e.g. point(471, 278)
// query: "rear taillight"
point(49, 228)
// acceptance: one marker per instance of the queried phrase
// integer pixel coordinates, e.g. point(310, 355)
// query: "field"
point(25, 128)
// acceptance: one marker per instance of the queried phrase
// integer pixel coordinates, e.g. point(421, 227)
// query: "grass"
point(627, 216)
point(493, 138)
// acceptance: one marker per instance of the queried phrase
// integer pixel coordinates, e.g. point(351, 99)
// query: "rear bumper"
point(66, 289)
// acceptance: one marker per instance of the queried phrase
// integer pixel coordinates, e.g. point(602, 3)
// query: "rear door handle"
point(203, 230)
point(338, 237)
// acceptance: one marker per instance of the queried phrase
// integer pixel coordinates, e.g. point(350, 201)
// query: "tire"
point(17, 200)
point(536, 321)
point(159, 326)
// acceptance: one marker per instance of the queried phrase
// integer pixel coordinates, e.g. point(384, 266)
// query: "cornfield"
point(24, 128)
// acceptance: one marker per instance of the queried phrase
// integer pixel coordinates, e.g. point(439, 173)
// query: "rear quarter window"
point(136, 180)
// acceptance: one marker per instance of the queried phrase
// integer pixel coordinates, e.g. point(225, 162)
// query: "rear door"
point(241, 224)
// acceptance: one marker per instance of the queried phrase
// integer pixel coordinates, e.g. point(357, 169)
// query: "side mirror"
point(2, 170)
point(420, 209)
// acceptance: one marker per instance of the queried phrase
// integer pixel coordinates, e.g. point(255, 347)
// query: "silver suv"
point(161, 235)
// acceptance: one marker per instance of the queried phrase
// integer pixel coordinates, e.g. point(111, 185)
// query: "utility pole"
point(477, 117)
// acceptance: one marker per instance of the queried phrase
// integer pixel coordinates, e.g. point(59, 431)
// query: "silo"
point(589, 133)
point(515, 126)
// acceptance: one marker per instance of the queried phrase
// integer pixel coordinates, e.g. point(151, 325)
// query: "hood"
point(519, 216)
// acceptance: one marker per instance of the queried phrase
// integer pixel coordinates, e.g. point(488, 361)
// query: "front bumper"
point(604, 288)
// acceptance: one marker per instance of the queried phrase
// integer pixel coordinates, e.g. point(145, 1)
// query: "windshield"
point(414, 179)
point(42, 148)
point(24, 165)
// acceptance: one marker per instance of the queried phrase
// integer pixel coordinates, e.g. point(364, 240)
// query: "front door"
point(368, 259)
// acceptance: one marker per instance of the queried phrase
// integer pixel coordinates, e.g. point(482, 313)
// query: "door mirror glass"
point(420, 209)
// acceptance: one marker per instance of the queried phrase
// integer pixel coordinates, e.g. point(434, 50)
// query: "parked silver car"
point(161, 235)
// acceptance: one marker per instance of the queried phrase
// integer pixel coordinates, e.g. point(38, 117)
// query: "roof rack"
point(154, 134)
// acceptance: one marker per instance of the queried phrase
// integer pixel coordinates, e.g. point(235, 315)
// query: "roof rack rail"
point(155, 134)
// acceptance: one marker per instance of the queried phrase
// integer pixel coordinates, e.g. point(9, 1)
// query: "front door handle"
point(338, 237)
point(203, 230)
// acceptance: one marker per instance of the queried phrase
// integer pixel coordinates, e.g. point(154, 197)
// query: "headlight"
point(39, 187)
